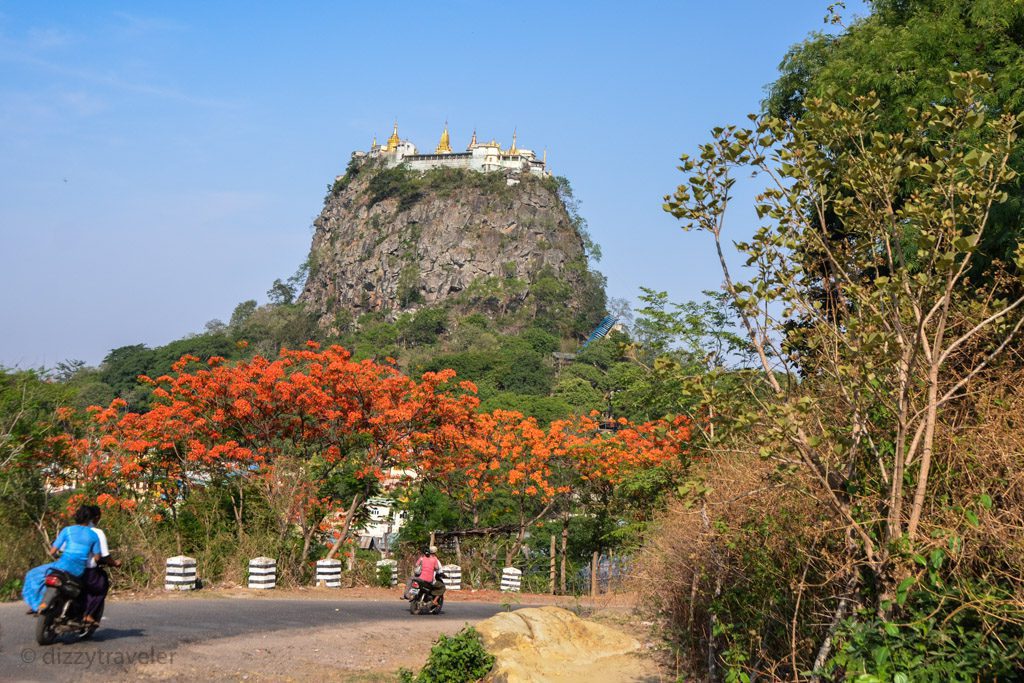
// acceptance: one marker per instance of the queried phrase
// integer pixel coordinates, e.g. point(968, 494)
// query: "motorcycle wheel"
point(414, 605)
point(45, 632)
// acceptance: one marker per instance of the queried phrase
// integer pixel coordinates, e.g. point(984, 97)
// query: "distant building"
point(385, 521)
point(479, 156)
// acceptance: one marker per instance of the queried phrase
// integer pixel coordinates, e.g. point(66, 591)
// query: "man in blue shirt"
point(77, 545)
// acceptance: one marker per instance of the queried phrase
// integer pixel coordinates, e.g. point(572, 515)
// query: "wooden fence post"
point(593, 575)
point(551, 579)
point(611, 566)
point(565, 543)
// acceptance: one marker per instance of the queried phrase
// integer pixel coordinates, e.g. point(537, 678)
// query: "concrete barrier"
point(511, 579)
point(452, 577)
point(328, 573)
point(181, 573)
point(262, 573)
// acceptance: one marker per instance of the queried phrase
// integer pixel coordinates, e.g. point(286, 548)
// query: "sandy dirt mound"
point(550, 644)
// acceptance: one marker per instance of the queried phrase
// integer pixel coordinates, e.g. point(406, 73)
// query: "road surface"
point(259, 638)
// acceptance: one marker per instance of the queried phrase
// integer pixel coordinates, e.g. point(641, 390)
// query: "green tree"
point(28, 417)
point(902, 53)
point(853, 401)
point(242, 312)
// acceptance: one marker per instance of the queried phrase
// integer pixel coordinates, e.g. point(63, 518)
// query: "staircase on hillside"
point(602, 329)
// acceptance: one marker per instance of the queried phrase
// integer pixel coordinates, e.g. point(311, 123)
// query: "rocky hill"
point(393, 240)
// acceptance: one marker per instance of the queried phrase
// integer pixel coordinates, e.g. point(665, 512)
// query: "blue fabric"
point(78, 544)
point(34, 587)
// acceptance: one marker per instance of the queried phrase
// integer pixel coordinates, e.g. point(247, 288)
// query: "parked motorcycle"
point(65, 606)
point(421, 598)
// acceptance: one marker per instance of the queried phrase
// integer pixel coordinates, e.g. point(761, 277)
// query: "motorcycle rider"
point(77, 544)
point(95, 581)
point(427, 569)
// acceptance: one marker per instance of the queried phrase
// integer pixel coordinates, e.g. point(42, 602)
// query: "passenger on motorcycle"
point(77, 545)
point(427, 568)
point(95, 581)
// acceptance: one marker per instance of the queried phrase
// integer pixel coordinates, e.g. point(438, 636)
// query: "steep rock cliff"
point(393, 240)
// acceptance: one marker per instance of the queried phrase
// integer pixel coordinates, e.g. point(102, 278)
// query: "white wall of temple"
point(427, 164)
point(483, 158)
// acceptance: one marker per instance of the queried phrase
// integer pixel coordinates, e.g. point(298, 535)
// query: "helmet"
point(426, 550)
point(433, 550)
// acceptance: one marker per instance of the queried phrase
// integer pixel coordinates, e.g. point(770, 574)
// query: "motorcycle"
point(65, 606)
point(421, 598)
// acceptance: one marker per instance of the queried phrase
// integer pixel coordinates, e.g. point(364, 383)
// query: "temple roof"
point(444, 146)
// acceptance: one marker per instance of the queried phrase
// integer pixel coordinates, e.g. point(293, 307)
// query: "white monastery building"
point(479, 156)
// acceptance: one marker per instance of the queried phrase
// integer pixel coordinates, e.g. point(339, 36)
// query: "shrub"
point(384, 575)
point(398, 182)
point(456, 659)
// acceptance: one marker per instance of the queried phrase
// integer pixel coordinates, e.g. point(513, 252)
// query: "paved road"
point(145, 629)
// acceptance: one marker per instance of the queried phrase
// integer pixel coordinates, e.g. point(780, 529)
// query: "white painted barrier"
point(452, 577)
point(328, 573)
point(262, 573)
point(511, 579)
point(393, 564)
point(181, 574)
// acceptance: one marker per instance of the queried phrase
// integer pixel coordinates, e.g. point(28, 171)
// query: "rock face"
point(553, 645)
point(393, 240)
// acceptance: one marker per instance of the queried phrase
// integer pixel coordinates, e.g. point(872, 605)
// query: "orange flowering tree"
point(508, 461)
point(287, 425)
point(307, 437)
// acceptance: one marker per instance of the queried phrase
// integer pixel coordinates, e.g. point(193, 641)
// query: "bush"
point(398, 182)
point(455, 659)
point(384, 575)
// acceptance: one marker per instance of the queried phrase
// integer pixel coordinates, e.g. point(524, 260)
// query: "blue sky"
point(160, 163)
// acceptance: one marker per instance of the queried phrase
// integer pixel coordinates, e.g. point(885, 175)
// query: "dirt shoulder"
point(369, 651)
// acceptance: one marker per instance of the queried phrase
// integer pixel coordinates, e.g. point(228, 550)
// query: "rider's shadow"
point(116, 633)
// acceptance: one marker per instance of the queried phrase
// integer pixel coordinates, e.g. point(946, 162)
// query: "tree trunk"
point(837, 618)
point(712, 627)
point(239, 510)
point(349, 516)
point(926, 451)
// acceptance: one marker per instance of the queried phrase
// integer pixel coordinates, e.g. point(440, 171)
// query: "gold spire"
point(444, 146)
point(393, 140)
point(373, 145)
point(472, 142)
point(513, 150)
